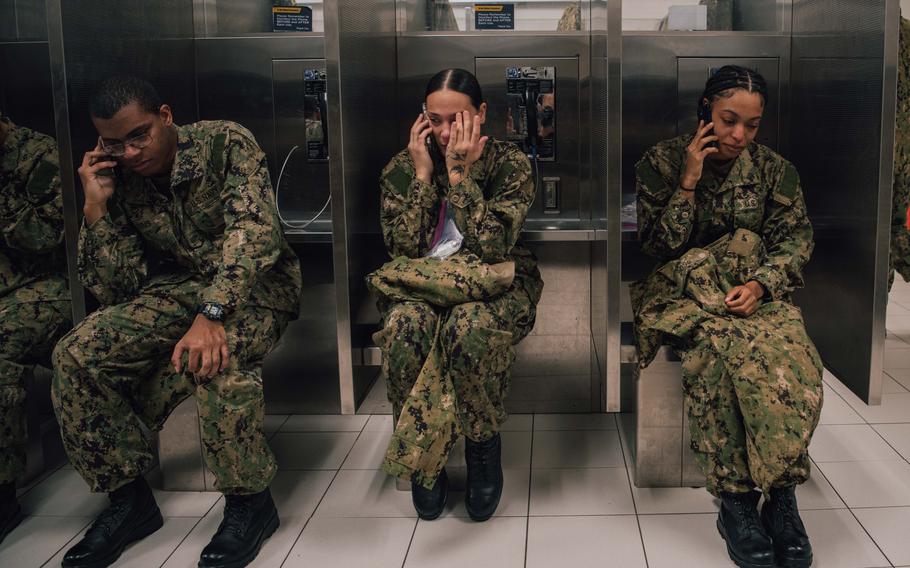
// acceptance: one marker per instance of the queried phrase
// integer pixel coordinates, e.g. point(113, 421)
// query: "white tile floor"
point(568, 499)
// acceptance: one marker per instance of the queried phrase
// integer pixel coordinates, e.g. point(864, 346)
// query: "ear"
point(166, 115)
point(482, 113)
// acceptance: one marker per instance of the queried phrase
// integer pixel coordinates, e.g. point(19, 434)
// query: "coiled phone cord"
point(295, 224)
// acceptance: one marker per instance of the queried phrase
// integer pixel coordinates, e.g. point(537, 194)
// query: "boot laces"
point(111, 518)
point(237, 515)
point(479, 453)
point(786, 508)
point(748, 518)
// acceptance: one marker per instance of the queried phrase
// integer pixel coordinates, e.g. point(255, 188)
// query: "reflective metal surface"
point(420, 56)
point(556, 370)
point(26, 99)
point(244, 17)
point(612, 397)
point(23, 20)
point(844, 57)
point(360, 65)
point(261, 82)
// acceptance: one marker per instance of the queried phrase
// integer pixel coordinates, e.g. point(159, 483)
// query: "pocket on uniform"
point(208, 214)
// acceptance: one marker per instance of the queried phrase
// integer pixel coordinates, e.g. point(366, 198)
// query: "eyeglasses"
point(119, 149)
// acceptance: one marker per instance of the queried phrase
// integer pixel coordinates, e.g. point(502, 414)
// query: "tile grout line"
point(189, 532)
point(530, 486)
point(310, 518)
point(902, 457)
point(56, 552)
point(410, 543)
point(324, 493)
point(641, 534)
point(852, 513)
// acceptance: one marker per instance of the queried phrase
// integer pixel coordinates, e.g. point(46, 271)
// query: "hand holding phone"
point(705, 115)
point(419, 147)
point(97, 187)
point(696, 153)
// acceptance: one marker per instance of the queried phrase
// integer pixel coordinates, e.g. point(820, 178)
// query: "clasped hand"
point(206, 347)
point(744, 300)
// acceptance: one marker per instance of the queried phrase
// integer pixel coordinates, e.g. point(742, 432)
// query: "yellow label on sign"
point(488, 7)
point(287, 10)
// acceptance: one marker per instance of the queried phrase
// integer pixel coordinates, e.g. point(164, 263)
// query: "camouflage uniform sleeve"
point(253, 236)
point(34, 223)
point(491, 227)
point(111, 260)
point(788, 238)
point(665, 216)
point(407, 209)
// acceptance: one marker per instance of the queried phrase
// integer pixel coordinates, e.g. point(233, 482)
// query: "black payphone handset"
point(704, 114)
point(431, 141)
point(530, 103)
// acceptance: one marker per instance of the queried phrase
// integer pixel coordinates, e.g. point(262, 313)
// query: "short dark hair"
point(458, 80)
point(115, 93)
point(730, 78)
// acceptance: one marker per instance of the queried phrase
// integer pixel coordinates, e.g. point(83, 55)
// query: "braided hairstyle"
point(731, 78)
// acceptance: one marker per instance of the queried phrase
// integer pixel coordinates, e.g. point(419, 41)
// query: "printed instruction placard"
point(494, 16)
point(292, 19)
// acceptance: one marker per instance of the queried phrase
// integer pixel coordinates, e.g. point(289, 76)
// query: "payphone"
point(302, 143)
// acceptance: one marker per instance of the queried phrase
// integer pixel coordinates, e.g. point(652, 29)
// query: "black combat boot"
point(780, 517)
point(484, 487)
point(429, 503)
point(132, 515)
point(738, 522)
point(10, 511)
point(248, 521)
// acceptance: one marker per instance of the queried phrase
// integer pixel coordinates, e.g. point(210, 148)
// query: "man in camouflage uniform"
point(900, 198)
point(752, 382)
point(34, 297)
point(447, 364)
point(182, 246)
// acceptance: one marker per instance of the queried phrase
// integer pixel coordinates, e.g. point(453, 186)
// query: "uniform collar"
point(744, 172)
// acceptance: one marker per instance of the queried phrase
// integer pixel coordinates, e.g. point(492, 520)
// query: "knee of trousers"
point(409, 327)
point(468, 323)
point(67, 369)
point(474, 343)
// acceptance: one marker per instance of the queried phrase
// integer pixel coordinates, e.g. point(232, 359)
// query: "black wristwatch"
point(212, 311)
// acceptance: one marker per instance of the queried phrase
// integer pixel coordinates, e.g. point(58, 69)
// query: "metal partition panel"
point(260, 83)
point(420, 56)
point(661, 77)
point(23, 20)
point(844, 77)
point(761, 15)
point(556, 369)
point(561, 172)
point(26, 99)
point(599, 169)
point(360, 62)
point(243, 17)
point(151, 39)
point(25, 90)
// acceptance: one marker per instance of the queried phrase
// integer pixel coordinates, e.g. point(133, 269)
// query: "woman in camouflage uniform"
point(448, 366)
point(727, 218)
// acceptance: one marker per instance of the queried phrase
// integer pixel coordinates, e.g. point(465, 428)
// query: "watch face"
point(213, 312)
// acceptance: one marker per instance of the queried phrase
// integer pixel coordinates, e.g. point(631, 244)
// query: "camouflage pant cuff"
point(716, 487)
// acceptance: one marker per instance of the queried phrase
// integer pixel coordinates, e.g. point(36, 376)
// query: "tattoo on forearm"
point(458, 156)
point(457, 170)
